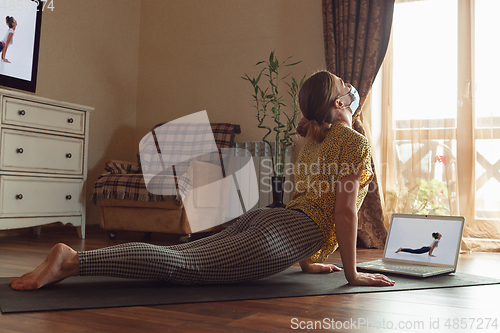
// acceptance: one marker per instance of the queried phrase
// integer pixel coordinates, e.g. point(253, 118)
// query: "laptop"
point(420, 245)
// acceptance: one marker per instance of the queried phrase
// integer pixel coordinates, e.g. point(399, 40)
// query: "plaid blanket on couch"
point(125, 181)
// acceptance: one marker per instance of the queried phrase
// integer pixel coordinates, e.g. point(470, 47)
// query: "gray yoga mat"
point(103, 292)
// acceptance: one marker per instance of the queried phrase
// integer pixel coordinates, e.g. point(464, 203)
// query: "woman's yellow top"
point(317, 170)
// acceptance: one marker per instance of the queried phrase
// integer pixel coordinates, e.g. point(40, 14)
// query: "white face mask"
point(355, 99)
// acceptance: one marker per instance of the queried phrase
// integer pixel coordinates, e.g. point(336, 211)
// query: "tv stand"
point(43, 161)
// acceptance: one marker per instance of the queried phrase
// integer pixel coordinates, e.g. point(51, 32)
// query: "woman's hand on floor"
point(367, 279)
point(318, 268)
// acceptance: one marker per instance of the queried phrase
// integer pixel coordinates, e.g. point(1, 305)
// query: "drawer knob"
point(70, 120)
point(19, 196)
point(68, 155)
point(20, 150)
point(68, 197)
point(22, 112)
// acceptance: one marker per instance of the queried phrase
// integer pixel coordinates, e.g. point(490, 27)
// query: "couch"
point(126, 204)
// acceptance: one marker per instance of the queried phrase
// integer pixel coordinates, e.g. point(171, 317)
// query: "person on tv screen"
point(424, 249)
point(9, 36)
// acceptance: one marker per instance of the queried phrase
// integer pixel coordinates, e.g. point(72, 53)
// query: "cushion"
point(132, 187)
point(124, 180)
point(224, 133)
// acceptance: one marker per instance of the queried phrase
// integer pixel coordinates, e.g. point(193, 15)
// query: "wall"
point(141, 62)
point(89, 56)
point(193, 54)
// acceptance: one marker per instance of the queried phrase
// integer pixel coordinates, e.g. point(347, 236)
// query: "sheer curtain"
point(439, 141)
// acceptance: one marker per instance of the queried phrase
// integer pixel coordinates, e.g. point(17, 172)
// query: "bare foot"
point(61, 262)
point(399, 250)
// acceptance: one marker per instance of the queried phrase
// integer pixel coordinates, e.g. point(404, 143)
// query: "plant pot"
point(277, 186)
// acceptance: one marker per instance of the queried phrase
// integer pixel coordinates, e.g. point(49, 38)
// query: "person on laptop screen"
point(332, 174)
point(424, 249)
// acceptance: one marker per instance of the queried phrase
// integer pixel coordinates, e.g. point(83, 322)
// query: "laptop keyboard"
point(415, 268)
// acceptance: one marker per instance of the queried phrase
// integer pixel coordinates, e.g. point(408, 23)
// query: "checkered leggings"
point(260, 243)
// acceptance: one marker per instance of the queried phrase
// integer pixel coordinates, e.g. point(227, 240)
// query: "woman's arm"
point(432, 248)
point(7, 42)
point(346, 226)
point(318, 268)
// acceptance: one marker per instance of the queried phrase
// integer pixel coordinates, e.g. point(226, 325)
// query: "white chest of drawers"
point(43, 161)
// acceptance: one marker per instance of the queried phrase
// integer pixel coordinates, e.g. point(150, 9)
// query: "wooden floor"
point(438, 310)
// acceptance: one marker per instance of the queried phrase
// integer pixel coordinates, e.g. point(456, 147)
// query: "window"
point(487, 108)
point(440, 115)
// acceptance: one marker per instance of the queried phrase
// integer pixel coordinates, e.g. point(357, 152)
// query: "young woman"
point(9, 36)
point(332, 175)
point(424, 249)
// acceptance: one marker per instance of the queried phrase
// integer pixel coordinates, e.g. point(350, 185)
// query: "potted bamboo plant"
point(268, 100)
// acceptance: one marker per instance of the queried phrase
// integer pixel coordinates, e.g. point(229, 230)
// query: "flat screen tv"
point(22, 20)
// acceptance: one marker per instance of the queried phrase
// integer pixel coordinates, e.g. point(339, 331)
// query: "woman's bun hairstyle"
point(303, 127)
point(9, 20)
point(312, 129)
point(316, 97)
point(435, 235)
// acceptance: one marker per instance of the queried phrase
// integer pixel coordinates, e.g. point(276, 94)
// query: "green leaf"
point(246, 77)
point(302, 81)
point(271, 56)
point(295, 63)
point(258, 77)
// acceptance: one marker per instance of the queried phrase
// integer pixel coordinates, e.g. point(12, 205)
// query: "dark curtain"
point(356, 37)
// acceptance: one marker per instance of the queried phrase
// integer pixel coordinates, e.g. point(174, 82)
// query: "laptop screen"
point(424, 239)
